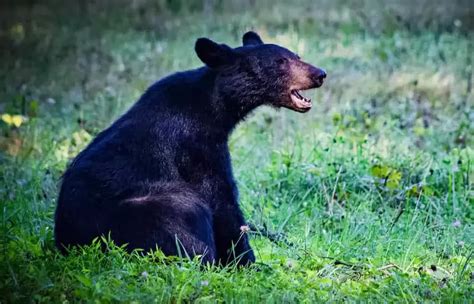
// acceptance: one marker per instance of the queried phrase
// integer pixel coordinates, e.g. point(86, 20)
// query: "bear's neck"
point(221, 101)
point(228, 111)
point(231, 103)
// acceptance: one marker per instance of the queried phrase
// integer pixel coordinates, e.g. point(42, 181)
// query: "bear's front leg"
point(232, 243)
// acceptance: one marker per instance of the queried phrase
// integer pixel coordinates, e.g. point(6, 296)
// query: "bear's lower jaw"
point(297, 109)
point(298, 102)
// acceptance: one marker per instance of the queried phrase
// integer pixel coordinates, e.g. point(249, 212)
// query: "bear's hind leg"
point(175, 221)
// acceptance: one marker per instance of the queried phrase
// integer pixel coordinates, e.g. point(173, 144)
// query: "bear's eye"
point(280, 60)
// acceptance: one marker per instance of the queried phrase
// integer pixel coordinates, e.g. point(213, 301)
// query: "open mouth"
point(299, 102)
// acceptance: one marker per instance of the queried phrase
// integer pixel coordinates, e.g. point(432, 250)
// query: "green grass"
point(371, 193)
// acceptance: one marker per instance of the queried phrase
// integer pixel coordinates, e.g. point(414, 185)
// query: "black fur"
point(161, 175)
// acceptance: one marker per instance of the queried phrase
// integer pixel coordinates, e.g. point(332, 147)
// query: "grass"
point(369, 197)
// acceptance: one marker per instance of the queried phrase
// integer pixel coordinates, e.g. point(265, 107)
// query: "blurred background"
point(67, 58)
point(70, 51)
point(394, 66)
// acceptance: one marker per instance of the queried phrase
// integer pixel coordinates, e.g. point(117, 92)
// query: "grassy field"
point(368, 197)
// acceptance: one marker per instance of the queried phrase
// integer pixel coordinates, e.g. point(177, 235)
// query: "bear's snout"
point(307, 76)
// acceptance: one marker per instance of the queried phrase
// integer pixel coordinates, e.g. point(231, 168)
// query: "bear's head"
point(258, 73)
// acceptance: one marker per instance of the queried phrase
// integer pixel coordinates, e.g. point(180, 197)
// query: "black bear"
point(161, 176)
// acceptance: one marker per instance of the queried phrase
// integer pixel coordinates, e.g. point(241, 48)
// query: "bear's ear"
point(251, 38)
point(212, 54)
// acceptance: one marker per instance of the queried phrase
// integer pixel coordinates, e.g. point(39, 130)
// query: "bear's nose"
point(322, 74)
